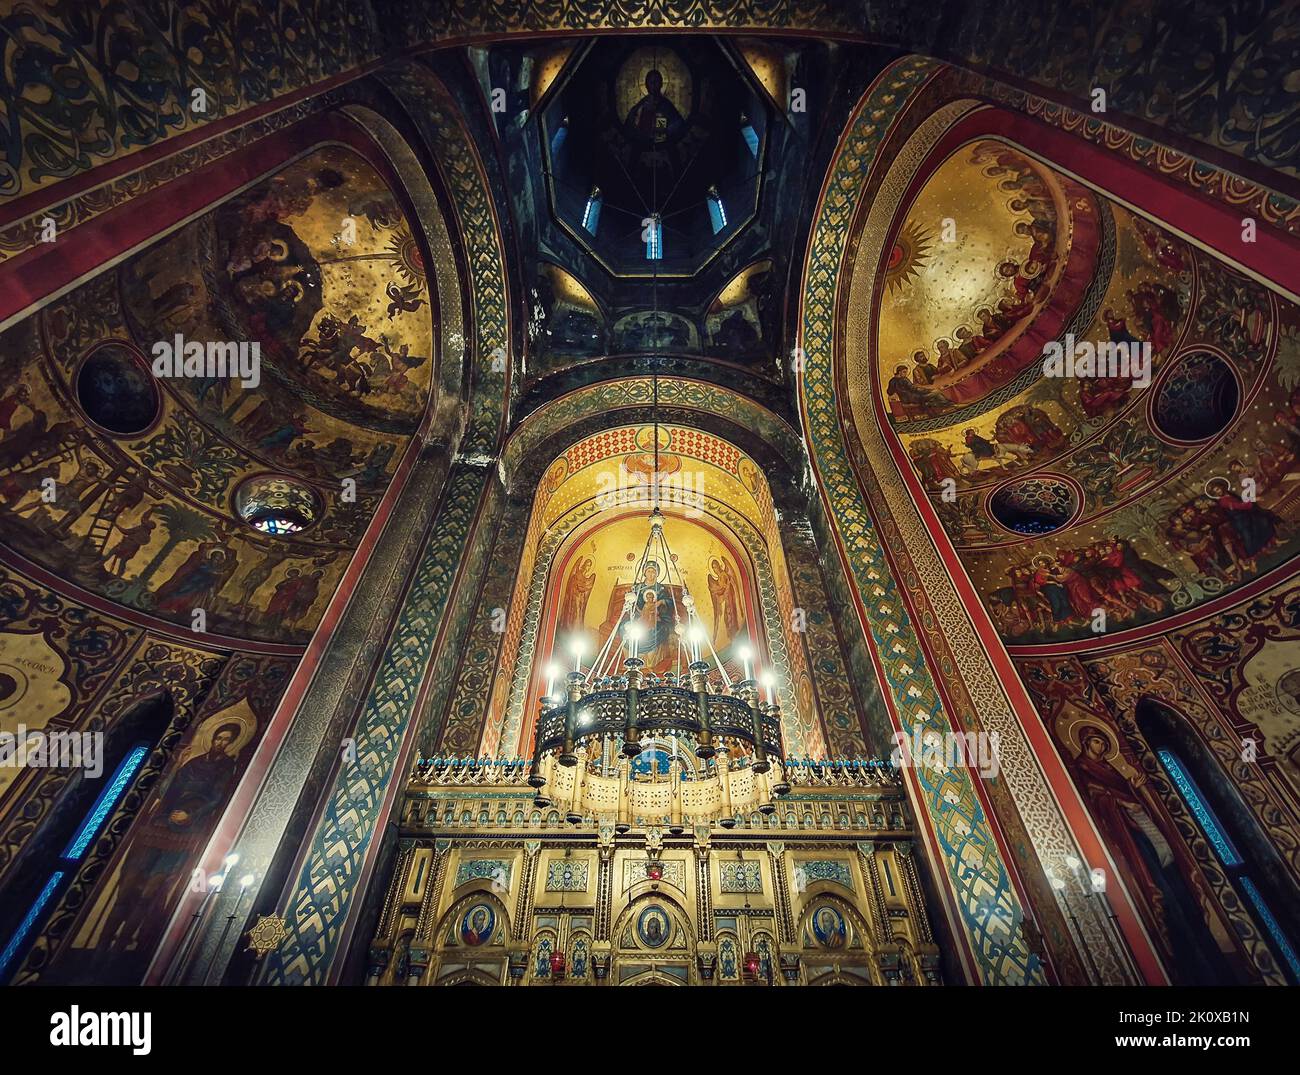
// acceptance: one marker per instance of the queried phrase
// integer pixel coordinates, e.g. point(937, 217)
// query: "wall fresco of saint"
point(1230, 678)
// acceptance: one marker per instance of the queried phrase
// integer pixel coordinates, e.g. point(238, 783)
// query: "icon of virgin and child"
point(658, 609)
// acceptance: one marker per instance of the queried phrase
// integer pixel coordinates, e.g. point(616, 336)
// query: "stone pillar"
point(703, 885)
point(432, 893)
point(874, 897)
point(604, 886)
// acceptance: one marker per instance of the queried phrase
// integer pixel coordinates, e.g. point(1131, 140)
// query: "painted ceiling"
point(598, 136)
point(316, 264)
point(994, 257)
point(1068, 495)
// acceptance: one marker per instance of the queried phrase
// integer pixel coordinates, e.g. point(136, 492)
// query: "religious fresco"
point(599, 569)
point(1065, 495)
point(150, 474)
point(318, 264)
point(655, 330)
point(117, 929)
point(647, 129)
point(65, 669)
point(1040, 475)
point(740, 324)
point(1210, 678)
point(994, 257)
point(1163, 875)
point(1245, 659)
point(706, 481)
point(566, 320)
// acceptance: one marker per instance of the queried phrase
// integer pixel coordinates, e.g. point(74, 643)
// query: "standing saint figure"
point(573, 605)
point(161, 843)
point(725, 591)
point(1166, 884)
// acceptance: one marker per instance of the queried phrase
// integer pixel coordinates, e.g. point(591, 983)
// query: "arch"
point(135, 748)
point(545, 943)
point(1250, 860)
point(471, 976)
point(528, 457)
point(866, 182)
point(854, 184)
point(579, 961)
point(632, 936)
point(546, 432)
point(815, 935)
point(653, 977)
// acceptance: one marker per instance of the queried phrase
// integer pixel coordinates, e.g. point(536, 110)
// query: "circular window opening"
point(117, 391)
point(277, 505)
point(1198, 398)
point(1034, 505)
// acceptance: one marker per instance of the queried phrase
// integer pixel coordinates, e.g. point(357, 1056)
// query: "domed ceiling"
point(994, 259)
point(180, 494)
point(668, 131)
point(656, 184)
point(1140, 496)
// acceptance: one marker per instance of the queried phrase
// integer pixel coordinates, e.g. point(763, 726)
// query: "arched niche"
point(652, 935)
point(1248, 859)
point(476, 929)
point(600, 479)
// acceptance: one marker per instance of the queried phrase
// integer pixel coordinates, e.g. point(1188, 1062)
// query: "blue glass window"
point(1217, 834)
point(717, 211)
point(29, 920)
point(654, 239)
point(1214, 832)
point(558, 138)
point(107, 799)
point(591, 215)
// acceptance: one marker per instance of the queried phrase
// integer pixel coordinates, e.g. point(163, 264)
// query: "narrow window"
point(750, 135)
point(1231, 859)
point(90, 825)
point(717, 211)
point(591, 215)
point(654, 239)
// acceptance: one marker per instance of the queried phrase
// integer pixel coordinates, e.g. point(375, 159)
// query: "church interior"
point(667, 492)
